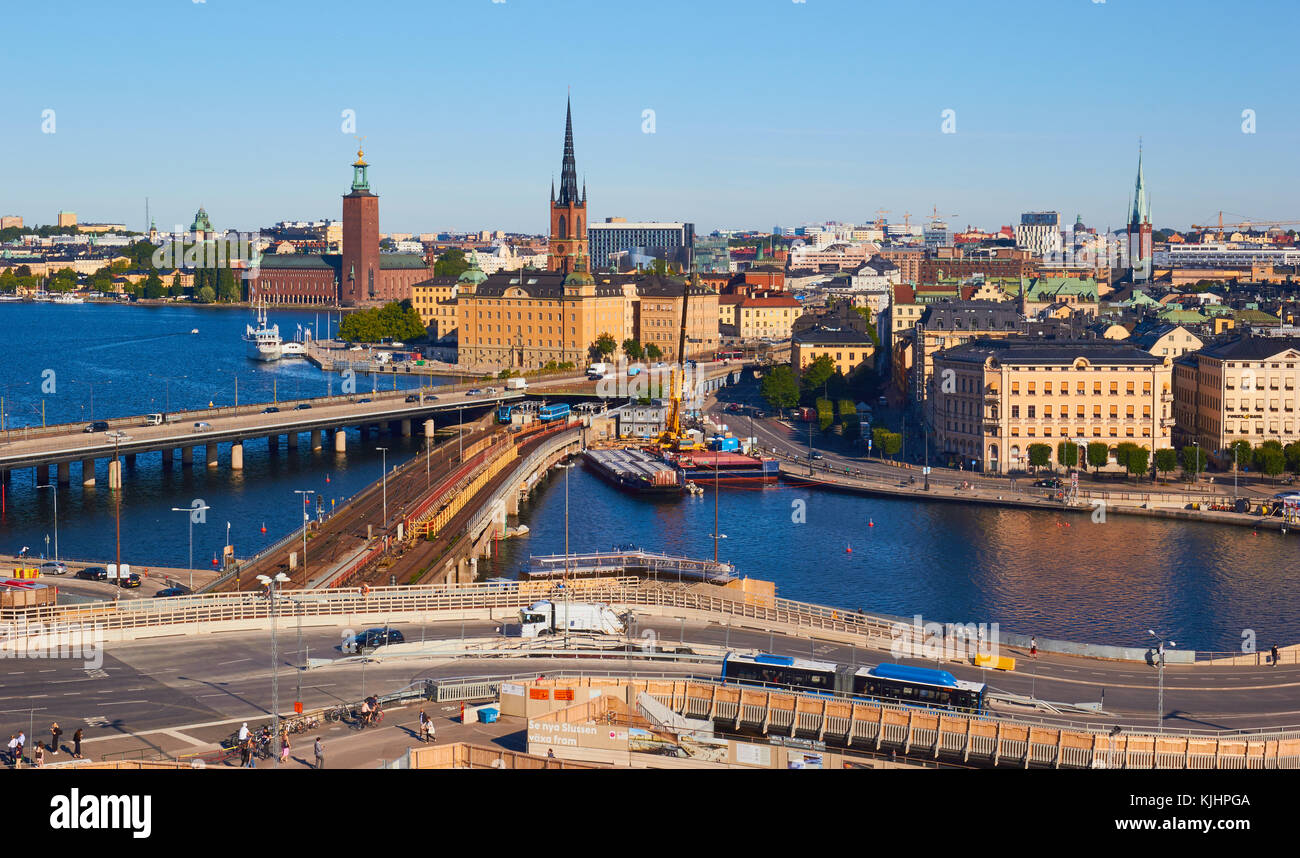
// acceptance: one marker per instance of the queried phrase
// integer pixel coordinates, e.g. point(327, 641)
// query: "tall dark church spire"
point(569, 168)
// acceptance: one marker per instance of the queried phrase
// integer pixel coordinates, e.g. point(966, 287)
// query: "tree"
point(1098, 455)
point(1040, 455)
point(452, 263)
point(653, 352)
point(1137, 460)
point(633, 349)
point(1291, 452)
point(825, 413)
point(1241, 453)
point(817, 373)
point(8, 281)
point(1193, 460)
point(779, 388)
point(1270, 459)
point(605, 345)
point(153, 286)
point(205, 295)
point(140, 255)
point(1067, 453)
point(1166, 461)
point(228, 287)
point(893, 443)
point(176, 290)
point(396, 320)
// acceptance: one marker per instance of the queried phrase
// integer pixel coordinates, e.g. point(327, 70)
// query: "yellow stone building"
point(1245, 388)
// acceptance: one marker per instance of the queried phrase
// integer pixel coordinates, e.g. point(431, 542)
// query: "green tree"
point(153, 286)
point(205, 295)
point(176, 290)
point(779, 388)
point(1040, 455)
point(8, 281)
point(605, 345)
point(1291, 452)
point(1098, 455)
point(1166, 461)
point(140, 256)
point(817, 374)
point(452, 263)
point(1194, 460)
point(24, 271)
point(653, 352)
point(633, 349)
point(229, 288)
point(893, 443)
point(1137, 461)
point(825, 413)
point(1067, 453)
point(1241, 453)
point(1269, 458)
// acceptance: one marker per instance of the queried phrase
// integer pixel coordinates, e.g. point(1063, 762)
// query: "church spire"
point(1141, 212)
point(569, 167)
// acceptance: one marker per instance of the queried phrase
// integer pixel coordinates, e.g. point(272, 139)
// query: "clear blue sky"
point(767, 111)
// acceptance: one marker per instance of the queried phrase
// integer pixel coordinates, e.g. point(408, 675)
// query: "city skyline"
point(743, 136)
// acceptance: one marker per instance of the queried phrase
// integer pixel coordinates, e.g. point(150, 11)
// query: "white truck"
point(516, 384)
point(598, 371)
point(549, 618)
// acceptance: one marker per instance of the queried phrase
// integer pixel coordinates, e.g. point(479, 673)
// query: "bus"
point(726, 356)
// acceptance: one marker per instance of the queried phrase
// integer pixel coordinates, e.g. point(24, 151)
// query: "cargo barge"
point(637, 471)
point(728, 468)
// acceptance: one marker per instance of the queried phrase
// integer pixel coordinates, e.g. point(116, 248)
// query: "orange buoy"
point(327, 478)
point(870, 523)
point(214, 560)
point(848, 549)
point(264, 527)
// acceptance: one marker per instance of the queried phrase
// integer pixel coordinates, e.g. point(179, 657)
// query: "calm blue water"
point(142, 359)
point(1106, 583)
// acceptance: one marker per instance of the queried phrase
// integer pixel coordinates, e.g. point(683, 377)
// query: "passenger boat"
point(264, 343)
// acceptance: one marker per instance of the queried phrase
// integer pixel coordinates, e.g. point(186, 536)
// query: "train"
point(559, 411)
point(894, 683)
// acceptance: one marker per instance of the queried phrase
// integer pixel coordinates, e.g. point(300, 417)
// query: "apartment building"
point(1245, 388)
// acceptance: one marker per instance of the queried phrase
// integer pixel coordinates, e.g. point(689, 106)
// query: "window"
point(1031, 412)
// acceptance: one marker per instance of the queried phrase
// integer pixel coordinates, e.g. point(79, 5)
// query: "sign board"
point(564, 694)
point(511, 688)
point(539, 694)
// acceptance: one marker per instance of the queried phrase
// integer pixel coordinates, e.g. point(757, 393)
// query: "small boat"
point(194, 330)
point(264, 343)
point(67, 298)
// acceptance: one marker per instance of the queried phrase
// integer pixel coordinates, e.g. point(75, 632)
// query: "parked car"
point(365, 399)
point(302, 406)
point(169, 591)
point(415, 397)
point(270, 409)
point(93, 573)
point(474, 392)
point(1050, 483)
point(372, 638)
point(97, 426)
point(131, 579)
point(202, 426)
point(54, 567)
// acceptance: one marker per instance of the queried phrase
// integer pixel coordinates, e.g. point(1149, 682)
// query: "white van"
point(153, 420)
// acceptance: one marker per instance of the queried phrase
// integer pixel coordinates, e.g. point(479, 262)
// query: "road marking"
point(236, 661)
point(123, 702)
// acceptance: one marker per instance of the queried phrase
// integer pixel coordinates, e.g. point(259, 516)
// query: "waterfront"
point(1200, 584)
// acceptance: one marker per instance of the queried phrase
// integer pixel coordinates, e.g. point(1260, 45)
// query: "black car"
point(302, 406)
point(372, 638)
point(131, 580)
point(366, 399)
point(413, 398)
point(169, 591)
point(270, 410)
point(97, 426)
point(93, 573)
point(1048, 484)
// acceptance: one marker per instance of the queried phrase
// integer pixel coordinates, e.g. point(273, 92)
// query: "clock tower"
point(568, 211)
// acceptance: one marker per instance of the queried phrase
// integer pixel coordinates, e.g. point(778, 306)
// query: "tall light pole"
point(56, 518)
point(383, 477)
point(305, 519)
point(191, 510)
point(1197, 476)
point(1160, 694)
point(117, 503)
point(280, 578)
point(460, 435)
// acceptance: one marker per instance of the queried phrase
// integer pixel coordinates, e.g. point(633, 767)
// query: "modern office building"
point(671, 240)
point(1039, 233)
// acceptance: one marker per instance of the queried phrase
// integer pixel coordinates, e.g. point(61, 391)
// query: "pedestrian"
point(1033, 647)
point(76, 744)
point(39, 755)
point(252, 754)
point(319, 750)
point(424, 726)
point(284, 747)
point(365, 712)
point(433, 735)
point(13, 749)
point(1275, 655)
point(243, 732)
point(56, 732)
point(244, 752)
point(22, 741)
point(550, 752)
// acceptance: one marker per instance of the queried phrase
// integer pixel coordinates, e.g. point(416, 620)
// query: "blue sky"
point(766, 111)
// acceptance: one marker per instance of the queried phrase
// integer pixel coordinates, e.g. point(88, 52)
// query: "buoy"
point(327, 478)
point(870, 523)
point(848, 549)
point(264, 527)
point(214, 560)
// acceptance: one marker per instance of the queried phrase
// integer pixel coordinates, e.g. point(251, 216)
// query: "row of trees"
point(1269, 458)
point(395, 319)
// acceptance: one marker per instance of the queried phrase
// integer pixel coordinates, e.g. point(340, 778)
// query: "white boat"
point(194, 330)
point(264, 344)
point(67, 298)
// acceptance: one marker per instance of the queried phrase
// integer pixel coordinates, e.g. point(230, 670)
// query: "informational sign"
point(753, 755)
point(539, 694)
point(511, 688)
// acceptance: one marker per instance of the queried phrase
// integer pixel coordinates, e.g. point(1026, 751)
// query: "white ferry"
point(264, 344)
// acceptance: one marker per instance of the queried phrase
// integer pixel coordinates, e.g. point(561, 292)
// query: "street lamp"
point(56, 519)
point(191, 510)
point(269, 583)
point(1160, 698)
point(117, 500)
point(1197, 475)
point(383, 476)
point(305, 519)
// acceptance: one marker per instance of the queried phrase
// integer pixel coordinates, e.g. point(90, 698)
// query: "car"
point(356, 349)
point(54, 567)
point(167, 592)
point(270, 409)
point(153, 420)
point(302, 406)
point(415, 397)
point(131, 579)
point(93, 573)
point(202, 426)
point(97, 426)
point(760, 414)
point(364, 399)
point(817, 456)
point(474, 392)
point(430, 396)
point(882, 402)
point(1052, 483)
point(372, 638)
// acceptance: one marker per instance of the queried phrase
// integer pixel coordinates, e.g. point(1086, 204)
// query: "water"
point(142, 359)
point(1200, 584)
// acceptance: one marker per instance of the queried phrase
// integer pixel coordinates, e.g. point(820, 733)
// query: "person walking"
point(22, 741)
point(1033, 647)
point(1275, 655)
point(319, 750)
point(76, 744)
point(39, 755)
point(252, 754)
point(56, 733)
point(432, 733)
point(424, 726)
point(243, 754)
point(13, 750)
point(284, 746)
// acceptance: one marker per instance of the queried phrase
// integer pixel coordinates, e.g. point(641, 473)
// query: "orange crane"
point(1243, 225)
point(936, 216)
point(880, 221)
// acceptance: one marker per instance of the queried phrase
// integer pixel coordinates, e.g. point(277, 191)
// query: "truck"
point(598, 370)
point(549, 618)
point(516, 384)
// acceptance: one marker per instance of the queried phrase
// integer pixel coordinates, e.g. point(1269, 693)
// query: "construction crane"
point(1245, 225)
point(880, 221)
point(936, 216)
point(671, 439)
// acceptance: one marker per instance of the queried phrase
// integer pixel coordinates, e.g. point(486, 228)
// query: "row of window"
point(1061, 432)
point(1078, 411)
point(1080, 388)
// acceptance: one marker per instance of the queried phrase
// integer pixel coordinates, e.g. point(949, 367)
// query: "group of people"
point(18, 742)
point(371, 712)
point(427, 732)
point(251, 743)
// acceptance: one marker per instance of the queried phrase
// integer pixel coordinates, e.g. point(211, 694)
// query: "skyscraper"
point(1139, 230)
point(568, 245)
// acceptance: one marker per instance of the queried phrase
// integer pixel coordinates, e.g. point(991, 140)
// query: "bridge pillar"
point(211, 454)
point(340, 440)
point(405, 427)
point(428, 429)
point(187, 455)
point(317, 439)
point(42, 475)
point(272, 443)
point(512, 503)
point(115, 473)
point(292, 439)
point(237, 456)
point(167, 455)
point(63, 473)
point(87, 472)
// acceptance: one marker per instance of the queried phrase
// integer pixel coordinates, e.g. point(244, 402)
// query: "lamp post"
point(117, 504)
point(383, 477)
point(280, 578)
point(191, 510)
point(1160, 694)
point(1197, 475)
point(56, 518)
point(305, 519)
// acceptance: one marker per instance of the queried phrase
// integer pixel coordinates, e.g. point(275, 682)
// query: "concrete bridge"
point(61, 445)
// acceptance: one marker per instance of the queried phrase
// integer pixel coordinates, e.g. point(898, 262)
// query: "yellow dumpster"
point(26, 572)
point(995, 662)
